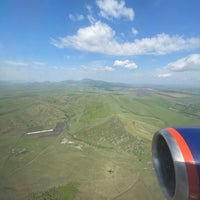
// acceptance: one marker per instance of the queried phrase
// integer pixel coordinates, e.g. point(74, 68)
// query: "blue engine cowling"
point(176, 159)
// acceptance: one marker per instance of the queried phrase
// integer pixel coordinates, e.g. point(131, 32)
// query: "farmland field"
point(102, 151)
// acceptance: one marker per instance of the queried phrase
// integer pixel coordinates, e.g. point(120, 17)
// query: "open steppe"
point(104, 149)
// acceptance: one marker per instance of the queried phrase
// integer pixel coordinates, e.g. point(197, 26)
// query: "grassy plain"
point(106, 153)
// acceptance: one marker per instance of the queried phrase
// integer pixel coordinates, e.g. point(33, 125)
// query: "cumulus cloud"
point(126, 64)
point(101, 38)
point(189, 63)
point(92, 38)
point(114, 9)
point(76, 17)
point(166, 75)
point(120, 63)
point(131, 66)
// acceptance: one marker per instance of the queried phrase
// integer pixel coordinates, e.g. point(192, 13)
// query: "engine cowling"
point(176, 159)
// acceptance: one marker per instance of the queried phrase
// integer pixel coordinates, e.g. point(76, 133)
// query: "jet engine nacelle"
point(176, 159)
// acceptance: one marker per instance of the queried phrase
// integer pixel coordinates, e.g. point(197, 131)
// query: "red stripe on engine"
point(189, 162)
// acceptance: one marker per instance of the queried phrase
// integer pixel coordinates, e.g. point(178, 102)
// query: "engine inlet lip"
point(180, 190)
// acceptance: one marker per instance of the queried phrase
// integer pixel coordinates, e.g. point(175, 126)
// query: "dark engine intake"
point(176, 159)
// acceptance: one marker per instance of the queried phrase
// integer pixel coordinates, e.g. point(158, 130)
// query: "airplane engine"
point(176, 159)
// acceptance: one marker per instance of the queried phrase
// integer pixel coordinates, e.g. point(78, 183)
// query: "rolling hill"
point(104, 151)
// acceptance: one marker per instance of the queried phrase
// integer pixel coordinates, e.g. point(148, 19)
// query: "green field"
point(104, 151)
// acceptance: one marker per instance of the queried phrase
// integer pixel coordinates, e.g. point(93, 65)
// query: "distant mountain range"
point(80, 83)
point(85, 85)
point(98, 84)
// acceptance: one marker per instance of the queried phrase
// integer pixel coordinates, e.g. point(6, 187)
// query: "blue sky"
point(131, 41)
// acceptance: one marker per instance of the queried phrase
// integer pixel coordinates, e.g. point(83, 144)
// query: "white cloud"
point(14, 70)
point(37, 63)
point(166, 75)
point(120, 63)
point(91, 19)
point(99, 37)
point(189, 63)
point(93, 38)
point(71, 17)
point(131, 66)
point(110, 69)
point(126, 64)
point(114, 9)
point(100, 68)
point(89, 8)
point(16, 63)
point(36, 71)
point(163, 44)
point(134, 31)
point(24, 64)
point(76, 17)
point(90, 15)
